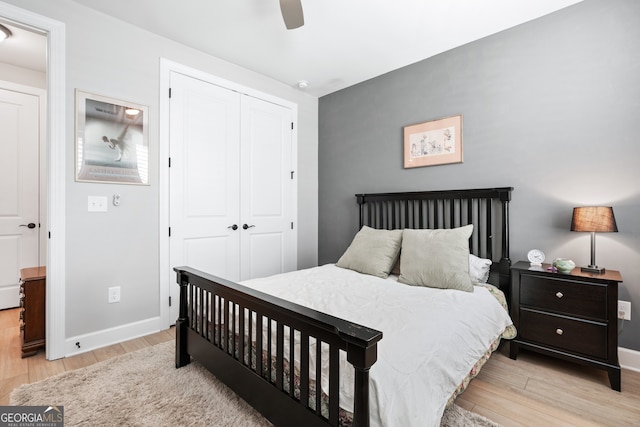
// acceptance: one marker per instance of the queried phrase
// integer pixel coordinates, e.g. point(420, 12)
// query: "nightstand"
point(569, 316)
point(32, 314)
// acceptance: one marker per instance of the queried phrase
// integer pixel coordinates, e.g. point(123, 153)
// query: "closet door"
point(268, 239)
point(204, 177)
point(232, 190)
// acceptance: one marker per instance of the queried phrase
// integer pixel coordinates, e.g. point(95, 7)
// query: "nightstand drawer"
point(572, 298)
point(575, 336)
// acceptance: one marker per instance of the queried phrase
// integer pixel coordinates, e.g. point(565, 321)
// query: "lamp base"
point(593, 269)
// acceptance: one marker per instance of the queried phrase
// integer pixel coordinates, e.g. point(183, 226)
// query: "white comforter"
point(431, 337)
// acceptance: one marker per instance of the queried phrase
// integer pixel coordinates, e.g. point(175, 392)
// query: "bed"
point(307, 347)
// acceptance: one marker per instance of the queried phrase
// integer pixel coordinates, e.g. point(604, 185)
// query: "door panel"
point(204, 181)
point(267, 254)
point(266, 189)
point(208, 254)
point(19, 174)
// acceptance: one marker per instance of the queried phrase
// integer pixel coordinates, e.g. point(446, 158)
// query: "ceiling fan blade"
point(292, 13)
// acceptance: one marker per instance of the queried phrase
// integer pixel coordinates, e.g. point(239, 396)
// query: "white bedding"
point(431, 337)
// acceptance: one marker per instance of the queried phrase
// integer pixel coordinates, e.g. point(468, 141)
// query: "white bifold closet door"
point(231, 187)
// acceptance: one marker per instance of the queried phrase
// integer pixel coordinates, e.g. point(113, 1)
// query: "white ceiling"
point(25, 49)
point(343, 42)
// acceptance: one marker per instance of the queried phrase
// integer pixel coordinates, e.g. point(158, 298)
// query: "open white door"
point(19, 192)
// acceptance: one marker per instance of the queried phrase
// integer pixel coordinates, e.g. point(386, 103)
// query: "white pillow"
point(479, 269)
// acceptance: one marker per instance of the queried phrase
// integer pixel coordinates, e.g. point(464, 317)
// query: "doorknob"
point(245, 226)
point(30, 225)
point(233, 227)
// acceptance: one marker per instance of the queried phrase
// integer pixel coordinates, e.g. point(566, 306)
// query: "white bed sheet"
point(431, 337)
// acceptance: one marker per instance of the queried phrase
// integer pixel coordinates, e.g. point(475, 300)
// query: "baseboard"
point(629, 359)
point(10, 297)
point(106, 337)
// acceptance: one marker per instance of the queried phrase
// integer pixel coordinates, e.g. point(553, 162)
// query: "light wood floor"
point(536, 390)
point(15, 371)
point(532, 391)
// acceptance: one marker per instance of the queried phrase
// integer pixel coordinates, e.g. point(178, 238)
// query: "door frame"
point(167, 67)
point(56, 171)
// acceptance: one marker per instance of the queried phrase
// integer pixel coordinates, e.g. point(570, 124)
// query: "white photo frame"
point(112, 142)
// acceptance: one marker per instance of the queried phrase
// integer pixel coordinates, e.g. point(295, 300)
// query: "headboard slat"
point(489, 233)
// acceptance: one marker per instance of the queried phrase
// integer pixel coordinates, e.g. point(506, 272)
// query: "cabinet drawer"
point(573, 335)
point(573, 298)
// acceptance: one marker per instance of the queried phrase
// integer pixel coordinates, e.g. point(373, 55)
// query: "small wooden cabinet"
point(569, 316)
point(32, 311)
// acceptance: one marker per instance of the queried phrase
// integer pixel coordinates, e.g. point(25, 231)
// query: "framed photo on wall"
point(436, 142)
point(112, 142)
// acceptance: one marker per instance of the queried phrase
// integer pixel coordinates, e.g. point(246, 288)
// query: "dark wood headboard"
point(486, 208)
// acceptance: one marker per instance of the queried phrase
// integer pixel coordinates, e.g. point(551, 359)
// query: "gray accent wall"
point(551, 107)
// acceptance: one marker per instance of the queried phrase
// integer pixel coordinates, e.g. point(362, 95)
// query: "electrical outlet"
point(624, 310)
point(114, 294)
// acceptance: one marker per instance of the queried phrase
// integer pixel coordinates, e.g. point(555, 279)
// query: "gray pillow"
point(372, 251)
point(436, 258)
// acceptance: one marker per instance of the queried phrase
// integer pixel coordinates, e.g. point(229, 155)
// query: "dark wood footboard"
point(241, 334)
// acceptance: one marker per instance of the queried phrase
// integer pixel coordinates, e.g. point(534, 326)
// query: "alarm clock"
point(536, 257)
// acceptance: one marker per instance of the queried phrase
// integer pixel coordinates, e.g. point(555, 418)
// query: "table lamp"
point(594, 219)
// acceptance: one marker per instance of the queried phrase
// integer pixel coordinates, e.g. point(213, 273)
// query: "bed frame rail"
point(243, 336)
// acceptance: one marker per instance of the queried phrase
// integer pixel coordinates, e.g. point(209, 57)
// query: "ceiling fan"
point(292, 13)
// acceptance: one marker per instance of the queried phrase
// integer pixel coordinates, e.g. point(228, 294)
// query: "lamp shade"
point(598, 219)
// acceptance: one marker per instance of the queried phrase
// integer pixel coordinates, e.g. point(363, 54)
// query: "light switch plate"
point(97, 204)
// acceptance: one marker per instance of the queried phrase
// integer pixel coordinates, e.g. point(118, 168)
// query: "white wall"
point(23, 76)
point(120, 248)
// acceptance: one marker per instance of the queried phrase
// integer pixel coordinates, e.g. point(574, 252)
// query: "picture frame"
point(436, 142)
point(112, 142)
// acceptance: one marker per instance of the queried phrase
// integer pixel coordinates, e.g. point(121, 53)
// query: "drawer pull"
point(559, 331)
point(559, 294)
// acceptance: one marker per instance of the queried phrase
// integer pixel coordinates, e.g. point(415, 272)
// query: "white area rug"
point(144, 388)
